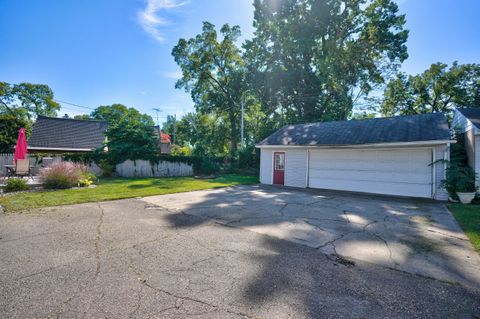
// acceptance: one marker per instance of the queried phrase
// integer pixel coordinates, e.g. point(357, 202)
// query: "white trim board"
point(397, 144)
point(33, 148)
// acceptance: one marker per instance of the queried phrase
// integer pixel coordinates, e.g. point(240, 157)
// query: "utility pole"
point(158, 111)
point(242, 125)
point(174, 127)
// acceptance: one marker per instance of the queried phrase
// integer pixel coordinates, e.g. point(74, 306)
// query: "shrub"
point(248, 157)
point(208, 166)
point(459, 178)
point(16, 185)
point(106, 167)
point(87, 179)
point(62, 175)
point(181, 151)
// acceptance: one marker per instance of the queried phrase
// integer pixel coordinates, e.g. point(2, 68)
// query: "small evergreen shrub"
point(16, 185)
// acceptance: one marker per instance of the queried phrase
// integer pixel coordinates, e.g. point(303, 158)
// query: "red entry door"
point(279, 168)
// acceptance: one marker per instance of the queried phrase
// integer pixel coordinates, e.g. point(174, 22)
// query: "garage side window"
point(279, 161)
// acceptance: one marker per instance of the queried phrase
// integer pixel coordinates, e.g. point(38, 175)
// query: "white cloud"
point(175, 75)
point(150, 19)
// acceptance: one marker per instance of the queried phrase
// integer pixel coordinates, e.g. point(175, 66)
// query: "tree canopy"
point(313, 60)
point(129, 139)
point(27, 100)
point(437, 89)
point(115, 113)
point(212, 72)
point(9, 127)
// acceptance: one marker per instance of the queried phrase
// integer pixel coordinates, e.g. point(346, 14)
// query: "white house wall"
point(296, 166)
point(266, 166)
point(476, 158)
point(461, 123)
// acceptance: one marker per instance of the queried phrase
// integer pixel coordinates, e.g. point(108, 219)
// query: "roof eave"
point(38, 148)
point(394, 144)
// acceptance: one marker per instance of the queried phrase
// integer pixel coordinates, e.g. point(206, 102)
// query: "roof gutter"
point(398, 144)
point(38, 148)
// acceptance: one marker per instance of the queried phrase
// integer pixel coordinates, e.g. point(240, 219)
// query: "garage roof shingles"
point(411, 128)
point(50, 132)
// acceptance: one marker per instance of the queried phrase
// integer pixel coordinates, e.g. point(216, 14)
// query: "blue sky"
point(118, 51)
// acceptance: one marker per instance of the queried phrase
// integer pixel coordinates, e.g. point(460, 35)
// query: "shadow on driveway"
point(412, 235)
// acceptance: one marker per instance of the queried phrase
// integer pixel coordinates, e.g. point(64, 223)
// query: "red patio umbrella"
point(21, 147)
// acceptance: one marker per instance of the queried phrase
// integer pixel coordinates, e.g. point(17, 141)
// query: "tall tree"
point(437, 89)
point(312, 60)
point(37, 99)
point(212, 72)
point(82, 117)
point(115, 113)
point(130, 139)
point(6, 97)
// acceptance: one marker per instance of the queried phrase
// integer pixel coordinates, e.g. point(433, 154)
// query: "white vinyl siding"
point(405, 172)
point(296, 168)
point(394, 171)
point(266, 166)
point(476, 160)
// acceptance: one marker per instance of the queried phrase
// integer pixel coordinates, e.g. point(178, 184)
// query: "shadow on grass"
point(186, 182)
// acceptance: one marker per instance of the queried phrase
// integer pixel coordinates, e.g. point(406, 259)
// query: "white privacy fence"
point(141, 168)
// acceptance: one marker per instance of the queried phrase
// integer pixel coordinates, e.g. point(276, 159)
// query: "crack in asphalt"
point(181, 298)
point(97, 239)
point(137, 306)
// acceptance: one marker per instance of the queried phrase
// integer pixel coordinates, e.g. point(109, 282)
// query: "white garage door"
point(404, 172)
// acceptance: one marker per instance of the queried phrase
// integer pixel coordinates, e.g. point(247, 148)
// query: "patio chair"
point(22, 168)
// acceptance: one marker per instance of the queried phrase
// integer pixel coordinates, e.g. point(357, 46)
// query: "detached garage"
point(391, 156)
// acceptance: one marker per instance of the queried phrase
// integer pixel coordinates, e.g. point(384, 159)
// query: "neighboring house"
point(393, 156)
point(59, 135)
point(164, 141)
point(467, 120)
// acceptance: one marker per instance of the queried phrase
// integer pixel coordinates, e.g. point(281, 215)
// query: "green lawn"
point(468, 216)
point(117, 188)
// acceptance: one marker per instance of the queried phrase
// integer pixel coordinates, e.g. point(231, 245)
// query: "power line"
point(73, 104)
point(71, 109)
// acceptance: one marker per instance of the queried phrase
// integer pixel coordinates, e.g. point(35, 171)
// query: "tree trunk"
point(233, 133)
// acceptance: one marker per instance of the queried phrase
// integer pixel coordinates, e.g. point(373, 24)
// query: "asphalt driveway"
point(141, 258)
point(412, 235)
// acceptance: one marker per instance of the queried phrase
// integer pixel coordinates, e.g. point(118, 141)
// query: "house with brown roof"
point(59, 135)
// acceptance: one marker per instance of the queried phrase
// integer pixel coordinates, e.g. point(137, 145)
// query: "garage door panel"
point(368, 154)
point(347, 175)
point(387, 188)
point(370, 166)
point(404, 172)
